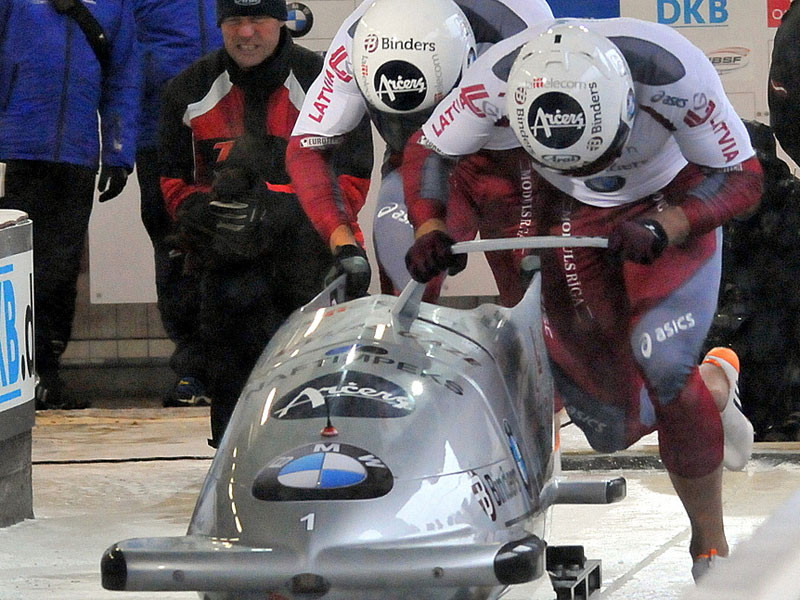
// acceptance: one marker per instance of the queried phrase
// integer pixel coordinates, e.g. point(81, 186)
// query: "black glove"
point(431, 254)
point(194, 227)
point(638, 241)
point(238, 231)
point(111, 183)
point(231, 182)
point(351, 260)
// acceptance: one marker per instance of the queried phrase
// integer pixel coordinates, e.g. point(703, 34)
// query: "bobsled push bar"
point(529, 243)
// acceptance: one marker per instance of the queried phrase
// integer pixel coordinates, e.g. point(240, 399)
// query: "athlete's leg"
point(665, 311)
point(393, 235)
point(495, 192)
point(666, 341)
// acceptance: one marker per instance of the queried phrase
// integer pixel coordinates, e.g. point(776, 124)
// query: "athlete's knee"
point(666, 366)
point(690, 430)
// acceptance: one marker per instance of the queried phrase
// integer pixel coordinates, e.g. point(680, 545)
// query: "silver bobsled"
point(383, 448)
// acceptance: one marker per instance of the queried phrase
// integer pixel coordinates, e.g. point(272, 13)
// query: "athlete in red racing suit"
point(624, 327)
point(335, 104)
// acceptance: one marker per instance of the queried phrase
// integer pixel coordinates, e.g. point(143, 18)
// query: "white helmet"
point(408, 54)
point(570, 100)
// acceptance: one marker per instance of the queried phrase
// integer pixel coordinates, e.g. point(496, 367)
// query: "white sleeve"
point(709, 132)
point(464, 121)
point(333, 104)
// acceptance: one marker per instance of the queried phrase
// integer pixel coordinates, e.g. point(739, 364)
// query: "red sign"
point(775, 10)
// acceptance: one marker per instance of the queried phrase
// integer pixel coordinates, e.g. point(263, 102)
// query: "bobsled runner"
point(383, 448)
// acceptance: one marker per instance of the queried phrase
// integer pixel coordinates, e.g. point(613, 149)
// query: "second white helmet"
point(409, 54)
point(570, 100)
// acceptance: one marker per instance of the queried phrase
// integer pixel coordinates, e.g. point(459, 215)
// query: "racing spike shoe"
point(704, 563)
point(189, 391)
point(736, 427)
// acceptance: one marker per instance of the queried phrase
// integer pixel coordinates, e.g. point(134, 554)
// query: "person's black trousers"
point(176, 291)
point(58, 198)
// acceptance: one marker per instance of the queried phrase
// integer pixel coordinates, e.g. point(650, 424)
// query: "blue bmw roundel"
point(301, 19)
point(322, 470)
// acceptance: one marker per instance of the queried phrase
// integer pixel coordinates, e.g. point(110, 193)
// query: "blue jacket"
point(51, 85)
point(172, 35)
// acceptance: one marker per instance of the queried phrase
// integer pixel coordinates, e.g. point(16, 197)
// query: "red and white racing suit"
point(334, 105)
point(623, 338)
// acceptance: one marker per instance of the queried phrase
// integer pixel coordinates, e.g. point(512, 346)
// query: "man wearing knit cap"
point(251, 29)
point(224, 128)
point(251, 8)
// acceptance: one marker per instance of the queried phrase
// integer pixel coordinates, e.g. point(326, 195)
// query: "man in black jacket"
point(224, 128)
point(783, 90)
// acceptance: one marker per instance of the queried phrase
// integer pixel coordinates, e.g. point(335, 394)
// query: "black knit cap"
point(251, 8)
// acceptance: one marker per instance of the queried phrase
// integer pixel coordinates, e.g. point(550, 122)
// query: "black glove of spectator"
point(238, 224)
point(638, 241)
point(234, 181)
point(431, 254)
point(195, 223)
point(111, 182)
point(351, 260)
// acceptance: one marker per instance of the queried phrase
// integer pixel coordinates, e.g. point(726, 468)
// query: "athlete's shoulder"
point(530, 11)
point(497, 20)
point(496, 62)
point(656, 54)
point(348, 26)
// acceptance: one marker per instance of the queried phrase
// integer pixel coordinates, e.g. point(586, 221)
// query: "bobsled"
point(383, 448)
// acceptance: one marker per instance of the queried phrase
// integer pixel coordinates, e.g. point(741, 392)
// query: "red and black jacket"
point(208, 106)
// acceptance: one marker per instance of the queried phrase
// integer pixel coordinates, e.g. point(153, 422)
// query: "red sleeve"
point(723, 195)
point(416, 157)
point(355, 190)
point(326, 203)
point(176, 190)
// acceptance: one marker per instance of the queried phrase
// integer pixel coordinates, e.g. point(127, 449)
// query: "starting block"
point(574, 577)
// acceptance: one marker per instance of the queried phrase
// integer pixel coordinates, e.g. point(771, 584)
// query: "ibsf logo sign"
point(400, 85)
point(729, 59)
point(693, 13)
point(775, 11)
point(556, 120)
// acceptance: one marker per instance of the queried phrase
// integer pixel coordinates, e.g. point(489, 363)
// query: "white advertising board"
point(16, 327)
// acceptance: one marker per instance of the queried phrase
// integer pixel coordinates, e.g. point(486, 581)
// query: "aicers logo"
point(347, 394)
point(400, 85)
point(556, 120)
